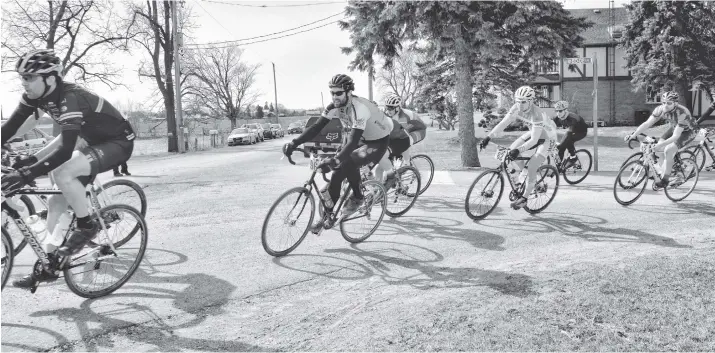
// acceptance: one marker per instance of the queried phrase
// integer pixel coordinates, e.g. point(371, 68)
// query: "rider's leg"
point(371, 152)
point(72, 189)
point(534, 163)
point(56, 205)
point(383, 167)
point(516, 144)
point(566, 143)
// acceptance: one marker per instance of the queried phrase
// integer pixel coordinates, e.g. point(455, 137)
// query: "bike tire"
point(7, 258)
point(21, 242)
point(467, 205)
point(699, 155)
point(141, 205)
point(695, 171)
point(264, 237)
point(543, 172)
point(401, 172)
point(638, 166)
point(72, 282)
point(572, 179)
point(379, 196)
point(425, 179)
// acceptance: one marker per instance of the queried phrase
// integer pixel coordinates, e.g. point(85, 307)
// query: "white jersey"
point(362, 114)
point(535, 117)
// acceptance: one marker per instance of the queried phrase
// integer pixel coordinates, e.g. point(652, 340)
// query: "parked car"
point(31, 142)
point(257, 129)
point(295, 128)
point(267, 132)
point(242, 136)
point(277, 131)
point(328, 140)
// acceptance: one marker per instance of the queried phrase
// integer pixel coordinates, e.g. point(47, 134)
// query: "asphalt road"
point(207, 284)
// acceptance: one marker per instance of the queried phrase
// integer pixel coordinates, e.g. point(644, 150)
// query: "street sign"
point(571, 61)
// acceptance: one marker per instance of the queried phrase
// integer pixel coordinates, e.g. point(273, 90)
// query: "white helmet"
point(525, 92)
point(561, 105)
point(393, 100)
point(41, 62)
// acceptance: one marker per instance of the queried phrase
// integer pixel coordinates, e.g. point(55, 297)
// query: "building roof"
point(598, 33)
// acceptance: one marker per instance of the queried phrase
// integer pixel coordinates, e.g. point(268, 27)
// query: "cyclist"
point(366, 144)
point(681, 131)
point(408, 130)
point(576, 132)
point(542, 137)
point(79, 113)
point(707, 112)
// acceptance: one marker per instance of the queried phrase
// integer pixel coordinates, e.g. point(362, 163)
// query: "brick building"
point(618, 101)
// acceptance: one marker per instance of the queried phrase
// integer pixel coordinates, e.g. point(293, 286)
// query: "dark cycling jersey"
point(96, 119)
point(575, 123)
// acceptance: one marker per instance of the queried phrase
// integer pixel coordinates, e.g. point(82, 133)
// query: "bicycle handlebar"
point(630, 142)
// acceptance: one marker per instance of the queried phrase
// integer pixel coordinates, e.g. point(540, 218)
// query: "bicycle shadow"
point(697, 207)
point(433, 228)
point(574, 225)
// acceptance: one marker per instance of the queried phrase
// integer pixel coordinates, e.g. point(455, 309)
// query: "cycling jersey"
point(575, 123)
point(534, 116)
point(361, 114)
point(413, 124)
point(80, 109)
point(678, 116)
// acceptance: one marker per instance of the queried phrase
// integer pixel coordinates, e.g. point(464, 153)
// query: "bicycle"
point(684, 152)
point(78, 269)
point(639, 171)
point(373, 191)
point(574, 173)
point(704, 148)
point(399, 187)
point(494, 177)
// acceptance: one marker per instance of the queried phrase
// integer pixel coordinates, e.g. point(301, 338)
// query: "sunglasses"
point(336, 93)
point(522, 102)
point(559, 111)
point(390, 108)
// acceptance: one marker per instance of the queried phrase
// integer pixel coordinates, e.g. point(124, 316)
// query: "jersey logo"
point(332, 136)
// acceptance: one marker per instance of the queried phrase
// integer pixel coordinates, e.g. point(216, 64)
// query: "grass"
point(444, 148)
point(650, 303)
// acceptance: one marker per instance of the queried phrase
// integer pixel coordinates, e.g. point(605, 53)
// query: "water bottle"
point(38, 227)
point(325, 193)
point(58, 235)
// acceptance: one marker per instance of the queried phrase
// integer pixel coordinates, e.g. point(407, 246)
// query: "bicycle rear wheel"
point(126, 192)
point(368, 217)
point(403, 194)
point(699, 155)
point(7, 256)
point(101, 269)
point(631, 179)
point(425, 166)
point(286, 212)
point(577, 172)
point(547, 180)
point(683, 180)
point(11, 227)
point(487, 188)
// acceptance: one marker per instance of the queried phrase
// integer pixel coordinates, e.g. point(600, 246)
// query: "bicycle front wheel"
point(403, 194)
point(7, 256)
point(683, 180)
point(425, 166)
point(101, 269)
point(292, 214)
point(360, 225)
point(486, 190)
point(630, 182)
point(547, 184)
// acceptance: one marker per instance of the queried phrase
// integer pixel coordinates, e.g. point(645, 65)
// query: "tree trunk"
point(465, 106)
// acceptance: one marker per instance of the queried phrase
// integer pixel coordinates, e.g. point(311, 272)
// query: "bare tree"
point(82, 32)
point(401, 79)
point(222, 81)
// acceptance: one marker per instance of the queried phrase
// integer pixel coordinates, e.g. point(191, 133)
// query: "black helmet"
point(342, 81)
point(41, 62)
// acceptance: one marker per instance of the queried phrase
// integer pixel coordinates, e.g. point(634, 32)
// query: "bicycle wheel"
point(634, 157)
point(372, 211)
point(7, 256)
point(403, 194)
point(292, 206)
point(684, 177)
point(547, 184)
point(632, 179)
point(484, 187)
point(11, 227)
point(699, 155)
point(425, 166)
point(126, 192)
point(100, 270)
point(580, 169)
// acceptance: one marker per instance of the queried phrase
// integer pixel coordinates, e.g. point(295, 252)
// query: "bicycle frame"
point(504, 165)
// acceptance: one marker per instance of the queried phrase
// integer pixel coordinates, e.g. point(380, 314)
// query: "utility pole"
point(322, 103)
point(177, 78)
point(369, 82)
point(275, 88)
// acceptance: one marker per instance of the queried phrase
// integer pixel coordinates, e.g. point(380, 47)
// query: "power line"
point(261, 41)
point(265, 35)
point(214, 18)
point(273, 6)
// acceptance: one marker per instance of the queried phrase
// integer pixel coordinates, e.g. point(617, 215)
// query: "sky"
point(304, 62)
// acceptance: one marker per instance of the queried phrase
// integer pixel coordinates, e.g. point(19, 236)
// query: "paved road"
point(207, 284)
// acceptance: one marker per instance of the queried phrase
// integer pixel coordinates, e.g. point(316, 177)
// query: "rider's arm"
point(350, 145)
point(62, 154)
point(534, 138)
point(706, 114)
point(312, 131)
point(646, 124)
point(49, 148)
point(16, 121)
point(508, 119)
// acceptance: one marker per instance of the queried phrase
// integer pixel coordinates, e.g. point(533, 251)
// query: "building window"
point(546, 66)
point(544, 96)
point(652, 93)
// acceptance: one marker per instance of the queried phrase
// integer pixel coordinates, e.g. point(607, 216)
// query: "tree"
point(259, 112)
point(401, 79)
point(271, 108)
point(222, 81)
point(84, 34)
point(474, 35)
point(671, 44)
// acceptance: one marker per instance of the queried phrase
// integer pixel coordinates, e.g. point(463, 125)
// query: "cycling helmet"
point(342, 81)
point(561, 105)
point(393, 100)
point(525, 92)
point(671, 96)
point(41, 61)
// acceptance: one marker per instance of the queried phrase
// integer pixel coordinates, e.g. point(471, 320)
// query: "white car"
point(242, 136)
point(30, 142)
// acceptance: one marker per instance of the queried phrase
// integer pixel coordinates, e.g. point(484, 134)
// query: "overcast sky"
point(303, 62)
